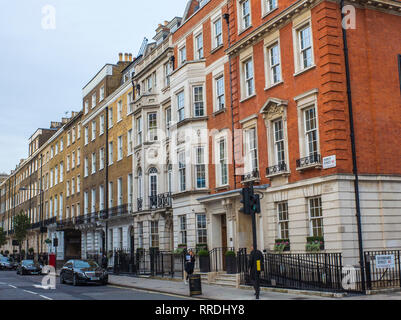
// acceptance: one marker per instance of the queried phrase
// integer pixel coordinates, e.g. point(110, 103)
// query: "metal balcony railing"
point(160, 201)
point(279, 168)
point(314, 159)
point(254, 175)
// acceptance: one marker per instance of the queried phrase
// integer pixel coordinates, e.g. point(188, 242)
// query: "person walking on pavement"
point(256, 268)
point(105, 261)
point(189, 265)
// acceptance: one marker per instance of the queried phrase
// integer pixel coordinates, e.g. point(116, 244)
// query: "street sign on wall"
point(385, 261)
point(329, 162)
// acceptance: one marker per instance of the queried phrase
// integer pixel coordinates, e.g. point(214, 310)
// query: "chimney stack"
point(126, 57)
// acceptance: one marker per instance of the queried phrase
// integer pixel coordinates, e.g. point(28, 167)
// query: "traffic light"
point(246, 201)
point(255, 204)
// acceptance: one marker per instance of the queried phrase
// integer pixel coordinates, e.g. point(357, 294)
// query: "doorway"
point(223, 224)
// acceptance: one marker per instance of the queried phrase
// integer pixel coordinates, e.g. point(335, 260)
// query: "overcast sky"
point(45, 62)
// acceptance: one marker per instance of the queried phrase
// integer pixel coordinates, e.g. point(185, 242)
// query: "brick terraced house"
point(301, 98)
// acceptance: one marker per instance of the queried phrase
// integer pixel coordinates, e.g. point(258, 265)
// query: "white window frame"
point(220, 96)
point(268, 6)
point(298, 50)
point(273, 68)
point(198, 104)
point(312, 218)
point(245, 17)
point(217, 33)
point(139, 130)
point(199, 46)
point(120, 152)
point(249, 79)
point(180, 108)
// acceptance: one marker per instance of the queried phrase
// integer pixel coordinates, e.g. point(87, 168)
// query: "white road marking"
point(46, 297)
point(10, 285)
point(30, 292)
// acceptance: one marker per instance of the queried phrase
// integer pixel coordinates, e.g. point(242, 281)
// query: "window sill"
point(304, 70)
point(222, 188)
point(216, 113)
point(265, 14)
point(279, 174)
point(248, 98)
point(274, 85)
point(242, 30)
point(216, 49)
point(317, 166)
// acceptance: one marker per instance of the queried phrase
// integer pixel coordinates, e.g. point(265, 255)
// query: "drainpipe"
point(354, 154)
point(106, 187)
point(226, 17)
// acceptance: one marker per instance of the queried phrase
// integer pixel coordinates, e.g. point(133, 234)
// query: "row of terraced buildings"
point(271, 92)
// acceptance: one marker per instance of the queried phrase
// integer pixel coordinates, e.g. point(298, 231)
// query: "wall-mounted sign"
point(329, 162)
point(385, 261)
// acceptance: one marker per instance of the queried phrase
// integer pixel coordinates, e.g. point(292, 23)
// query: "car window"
point(85, 264)
point(27, 262)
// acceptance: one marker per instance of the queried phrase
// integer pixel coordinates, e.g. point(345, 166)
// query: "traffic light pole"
point(251, 207)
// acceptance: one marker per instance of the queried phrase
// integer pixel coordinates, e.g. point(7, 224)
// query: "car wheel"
point(62, 281)
point(74, 280)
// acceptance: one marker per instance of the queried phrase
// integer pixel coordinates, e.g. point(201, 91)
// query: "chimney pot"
point(126, 57)
point(120, 57)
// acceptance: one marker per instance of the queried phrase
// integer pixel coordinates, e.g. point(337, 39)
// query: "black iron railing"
point(218, 259)
point(149, 262)
point(86, 219)
point(255, 174)
point(315, 271)
point(383, 269)
point(315, 159)
point(139, 204)
point(50, 221)
point(160, 201)
point(280, 168)
point(118, 211)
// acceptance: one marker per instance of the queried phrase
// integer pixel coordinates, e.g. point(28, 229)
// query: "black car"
point(29, 267)
point(83, 271)
point(7, 264)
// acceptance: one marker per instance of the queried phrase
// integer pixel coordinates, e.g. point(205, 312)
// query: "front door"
point(224, 239)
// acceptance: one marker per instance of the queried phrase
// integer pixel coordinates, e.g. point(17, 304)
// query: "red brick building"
point(290, 108)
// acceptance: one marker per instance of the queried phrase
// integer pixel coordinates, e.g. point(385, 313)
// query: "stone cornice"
point(286, 16)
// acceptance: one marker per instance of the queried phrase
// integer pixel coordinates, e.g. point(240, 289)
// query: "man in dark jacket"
point(256, 266)
point(189, 264)
point(105, 261)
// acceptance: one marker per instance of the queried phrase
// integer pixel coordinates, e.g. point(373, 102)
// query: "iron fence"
point(382, 269)
point(150, 262)
point(217, 259)
point(314, 271)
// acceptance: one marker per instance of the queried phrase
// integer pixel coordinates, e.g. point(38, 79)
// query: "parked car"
point(83, 271)
point(7, 264)
point(29, 267)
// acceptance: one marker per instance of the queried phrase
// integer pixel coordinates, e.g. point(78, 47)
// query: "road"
point(16, 287)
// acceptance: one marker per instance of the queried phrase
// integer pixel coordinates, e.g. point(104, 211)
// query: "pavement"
point(217, 292)
point(209, 291)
